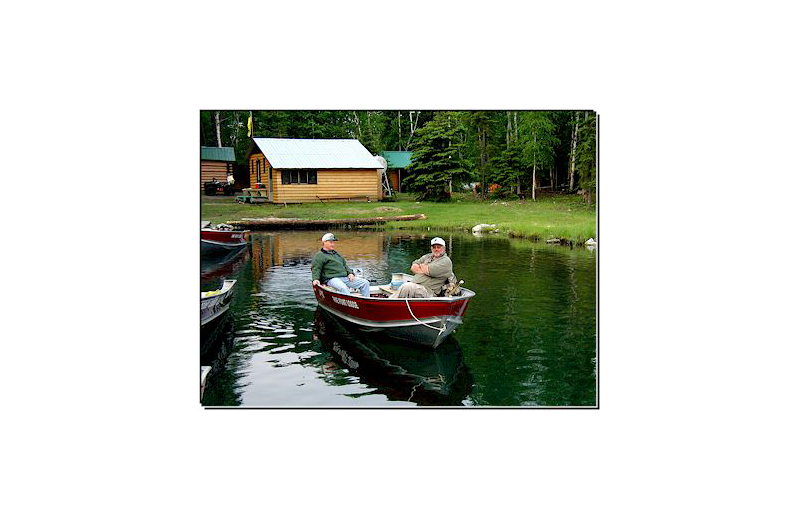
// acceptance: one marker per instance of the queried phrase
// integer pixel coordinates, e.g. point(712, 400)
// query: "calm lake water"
point(528, 337)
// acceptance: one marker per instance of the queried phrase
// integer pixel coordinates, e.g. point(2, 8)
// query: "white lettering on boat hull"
point(346, 303)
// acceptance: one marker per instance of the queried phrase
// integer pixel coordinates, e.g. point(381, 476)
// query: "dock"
point(300, 223)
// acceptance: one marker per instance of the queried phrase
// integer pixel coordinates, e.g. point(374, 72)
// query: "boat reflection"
point(432, 377)
point(216, 344)
point(224, 265)
point(216, 338)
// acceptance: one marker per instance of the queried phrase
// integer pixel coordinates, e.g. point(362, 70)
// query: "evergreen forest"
point(498, 154)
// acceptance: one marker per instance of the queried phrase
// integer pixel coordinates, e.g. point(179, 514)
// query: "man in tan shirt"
point(431, 272)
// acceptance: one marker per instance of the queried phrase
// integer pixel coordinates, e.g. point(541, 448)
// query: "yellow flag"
point(250, 125)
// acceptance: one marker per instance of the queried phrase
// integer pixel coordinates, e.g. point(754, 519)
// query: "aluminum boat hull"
point(217, 241)
point(214, 304)
point(424, 321)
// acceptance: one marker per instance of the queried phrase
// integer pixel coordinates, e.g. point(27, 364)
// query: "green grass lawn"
point(551, 216)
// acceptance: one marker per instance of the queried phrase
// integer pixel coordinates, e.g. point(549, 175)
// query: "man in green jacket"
point(330, 268)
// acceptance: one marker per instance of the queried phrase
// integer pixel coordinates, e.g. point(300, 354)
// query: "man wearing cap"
point(330, 268)
point(431, 272)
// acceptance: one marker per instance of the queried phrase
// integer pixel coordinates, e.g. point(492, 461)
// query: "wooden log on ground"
point(295, 223)
point(298, 223)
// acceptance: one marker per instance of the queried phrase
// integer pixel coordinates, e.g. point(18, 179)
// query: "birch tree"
point(573, 144)
point(399, 132)
point(358, 126)
point(413, 126)
point(219, 137)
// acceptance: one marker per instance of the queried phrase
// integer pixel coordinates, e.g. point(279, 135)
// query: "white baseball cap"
point(328, 236)
point(439, 241)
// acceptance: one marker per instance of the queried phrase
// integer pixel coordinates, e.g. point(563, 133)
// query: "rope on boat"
point(429, 326)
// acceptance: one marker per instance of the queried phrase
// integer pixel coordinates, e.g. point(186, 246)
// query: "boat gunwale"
point(212, 230)
point(433, 299)
point(223, 244)
point(224, 290)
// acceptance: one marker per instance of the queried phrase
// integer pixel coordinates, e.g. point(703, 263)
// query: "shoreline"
point(553, 218)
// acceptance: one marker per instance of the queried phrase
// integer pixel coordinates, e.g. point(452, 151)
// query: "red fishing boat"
point(220, 239)
point(426, 321)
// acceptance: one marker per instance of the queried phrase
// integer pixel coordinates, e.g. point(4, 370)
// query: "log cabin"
point(313, 170)
point(215, 163)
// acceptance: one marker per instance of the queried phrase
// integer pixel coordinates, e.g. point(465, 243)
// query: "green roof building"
point(212, 153)
point(396, 160)
point(216, 163)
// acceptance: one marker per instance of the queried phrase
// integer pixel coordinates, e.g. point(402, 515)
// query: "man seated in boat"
point(431, 272)
point(330, 268)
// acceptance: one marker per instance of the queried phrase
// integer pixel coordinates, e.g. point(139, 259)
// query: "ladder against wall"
point(387, 186)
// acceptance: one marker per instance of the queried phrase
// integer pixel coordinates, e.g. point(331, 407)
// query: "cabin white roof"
point(316, 153)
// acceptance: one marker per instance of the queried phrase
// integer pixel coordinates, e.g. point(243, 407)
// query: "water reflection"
point(528, 337)
point(222, 266)
point(216, 345)
point(402, 372)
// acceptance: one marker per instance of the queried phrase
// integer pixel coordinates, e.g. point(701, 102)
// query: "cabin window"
point(299, 177)
point(258, 170)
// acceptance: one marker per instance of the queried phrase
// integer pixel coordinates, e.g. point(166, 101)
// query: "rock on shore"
point(482, 228)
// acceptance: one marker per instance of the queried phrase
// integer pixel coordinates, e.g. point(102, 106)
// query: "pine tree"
point(435, 163)
point(507, 170)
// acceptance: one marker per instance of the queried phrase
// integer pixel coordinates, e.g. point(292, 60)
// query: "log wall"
point(213, 169)
point(330, 183)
